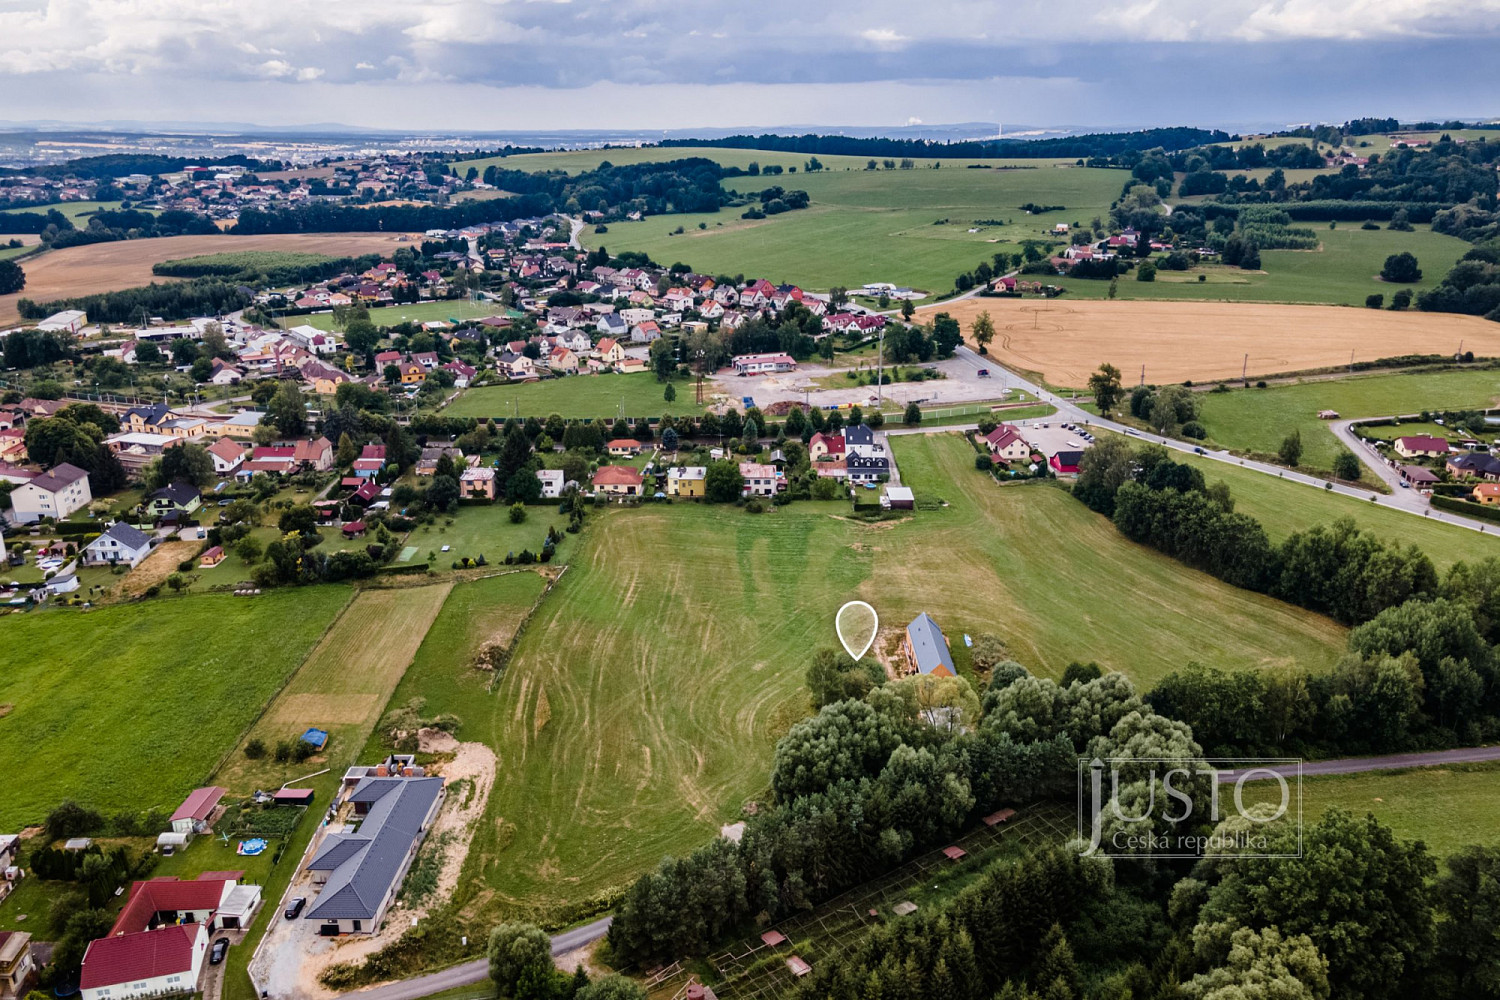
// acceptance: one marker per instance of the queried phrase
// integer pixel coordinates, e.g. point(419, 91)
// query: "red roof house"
point(170, 956)
point(196, 808)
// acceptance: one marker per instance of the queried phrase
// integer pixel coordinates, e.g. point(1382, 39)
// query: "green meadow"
point(639, 395)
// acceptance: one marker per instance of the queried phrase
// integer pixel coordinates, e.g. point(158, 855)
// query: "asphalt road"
point(479, 969)
point(1358, 765)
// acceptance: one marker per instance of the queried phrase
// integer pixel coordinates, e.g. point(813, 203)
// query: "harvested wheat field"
point(106, 267)
point(1176, 341)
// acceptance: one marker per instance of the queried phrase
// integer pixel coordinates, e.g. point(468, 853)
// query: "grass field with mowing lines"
point(344, 684)
point(579, 396)
point(129, 708)
point(420, 312)
point(485, 531)
point(1258, 419)
point(1342, 271)
point(1446, 807)
point(1283, 507)
point(643, 702)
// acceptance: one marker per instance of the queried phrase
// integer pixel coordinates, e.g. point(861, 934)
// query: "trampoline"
point(251, 847)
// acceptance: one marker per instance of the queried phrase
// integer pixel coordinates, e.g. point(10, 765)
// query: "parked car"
point(295, 907)
point(984, 373)
point(221, 948)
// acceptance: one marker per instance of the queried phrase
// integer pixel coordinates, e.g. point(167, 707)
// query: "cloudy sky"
point(534, 64)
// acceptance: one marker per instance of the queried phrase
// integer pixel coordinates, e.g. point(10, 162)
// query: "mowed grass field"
point(641, 395)
point(641, 708)
point(103, 267)
point(1258, 419)
point(908, 227)
point(456, 310)
point(1065, 341)
point(1445, 807)
point(1343, 271)
point(344, 684)
point(130, 707)
point(1283, 507)
point(486, 531)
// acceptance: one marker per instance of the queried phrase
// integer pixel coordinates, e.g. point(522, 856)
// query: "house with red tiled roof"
point(1421, 445)
point(619, 480)
point(1007, 445)
point(825, 446)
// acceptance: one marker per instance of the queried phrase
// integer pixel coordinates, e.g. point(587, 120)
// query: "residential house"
point(365, 494)
point(228, 456)
point(1417, 475)
point(612, 325)
point(515, 366)
point(324, 379)
point(860, 440)
point(317, 454)
point(1007, 445)
point(411, 373)
point(756, 364)
point(687, 481)
point(645, 333)
point(211, 557)
point(823, 446)
point(761, 480)
point(867, 468)
point(1487, 493)
point(631, 366)
point(619, 480)
point(136, 449)
point(146, 418)
point(477, 484)
point(926, 648)
point(183, 427)
point(1470, 465)
point(562, 360)
point(1421, 446)
point(462, 373)
point(552, 482)
point(173, 502)
point(196, 810)
point(55, 494)
point(370, 461)
point(273, 460)
point(610, 352)
point(17, 967)
point(624, 447)
point(119, 545)
point(361, 872)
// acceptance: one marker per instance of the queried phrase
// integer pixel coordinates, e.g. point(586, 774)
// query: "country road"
point(1359, 765)
point(478, 970)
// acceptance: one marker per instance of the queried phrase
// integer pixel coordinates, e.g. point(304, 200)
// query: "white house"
point(228, 455)
point(54, 494)
point(310, 338)
point(552, 482)
point(120, 545)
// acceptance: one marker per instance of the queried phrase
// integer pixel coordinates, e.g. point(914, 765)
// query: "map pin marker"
point(862, 625)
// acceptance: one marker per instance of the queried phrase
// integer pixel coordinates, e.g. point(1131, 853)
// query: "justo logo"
point(1134, 807)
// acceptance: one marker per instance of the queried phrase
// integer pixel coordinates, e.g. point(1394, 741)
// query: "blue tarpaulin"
point(316, 737)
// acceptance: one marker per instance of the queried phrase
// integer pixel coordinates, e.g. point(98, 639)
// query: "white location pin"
point(861, 617)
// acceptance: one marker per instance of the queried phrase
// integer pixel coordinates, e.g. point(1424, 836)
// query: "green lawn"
point(132, 706)
point(7, 253)
point(1258, 419)
point(74, 210)
point(486, 531)
point(1284, 507)
point(447, 311)
point(640, 395)
point(908, 227)
point(1446, 807)
point(577, 161)
point(1342, 272)
point(643, 702)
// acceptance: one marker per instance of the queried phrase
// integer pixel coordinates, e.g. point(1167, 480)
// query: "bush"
point(755, 506)
point(1376, 301)
point(70, 819)
point(1147, 272)
point(517, 513)
point(255, 749)
point(983, 463)
point(1193, 429)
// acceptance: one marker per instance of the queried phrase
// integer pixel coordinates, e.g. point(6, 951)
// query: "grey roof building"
point(927, 649)
point(364, 869)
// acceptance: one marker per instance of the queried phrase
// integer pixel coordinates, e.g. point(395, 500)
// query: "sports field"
point(605, 395)
point(129, 707)
point(103, 267)
point(1258, 419)
point(1065, 340)
point(1342, 271)
point(1445, 807)
point(1283, 507)
point(343, 685)
point(642, 705)
point(453, 311)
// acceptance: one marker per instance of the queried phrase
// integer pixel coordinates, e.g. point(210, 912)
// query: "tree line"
point(1098, 144)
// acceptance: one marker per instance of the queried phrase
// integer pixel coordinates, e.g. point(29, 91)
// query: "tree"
point(913, 415)
point(186, 463)
point(670, 392)
point(1105, 386)
point(1146, 272)
point(1262, 965)
point(12, 278)
point(983, 331)
point(1346, 465)
point(147, 353)
point(1290, 451)
point(611, 987)
point(1375, 300)
point(1401, 269)
point(287, 411)
point(361, 336)
point(1468, 942)
point(663, 359)
point(946, 335)
point(517, 513)
point(833, 676)
point(722, 482)
point(669, 439)
point(516, 950)
point(347, 452)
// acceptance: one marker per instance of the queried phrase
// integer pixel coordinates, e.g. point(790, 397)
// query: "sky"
point(649, 64)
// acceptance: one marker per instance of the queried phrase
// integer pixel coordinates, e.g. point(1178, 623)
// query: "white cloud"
point(885, 38)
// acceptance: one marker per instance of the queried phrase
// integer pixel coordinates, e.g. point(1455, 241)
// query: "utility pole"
point(1143, 374)
point(1245, 369)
